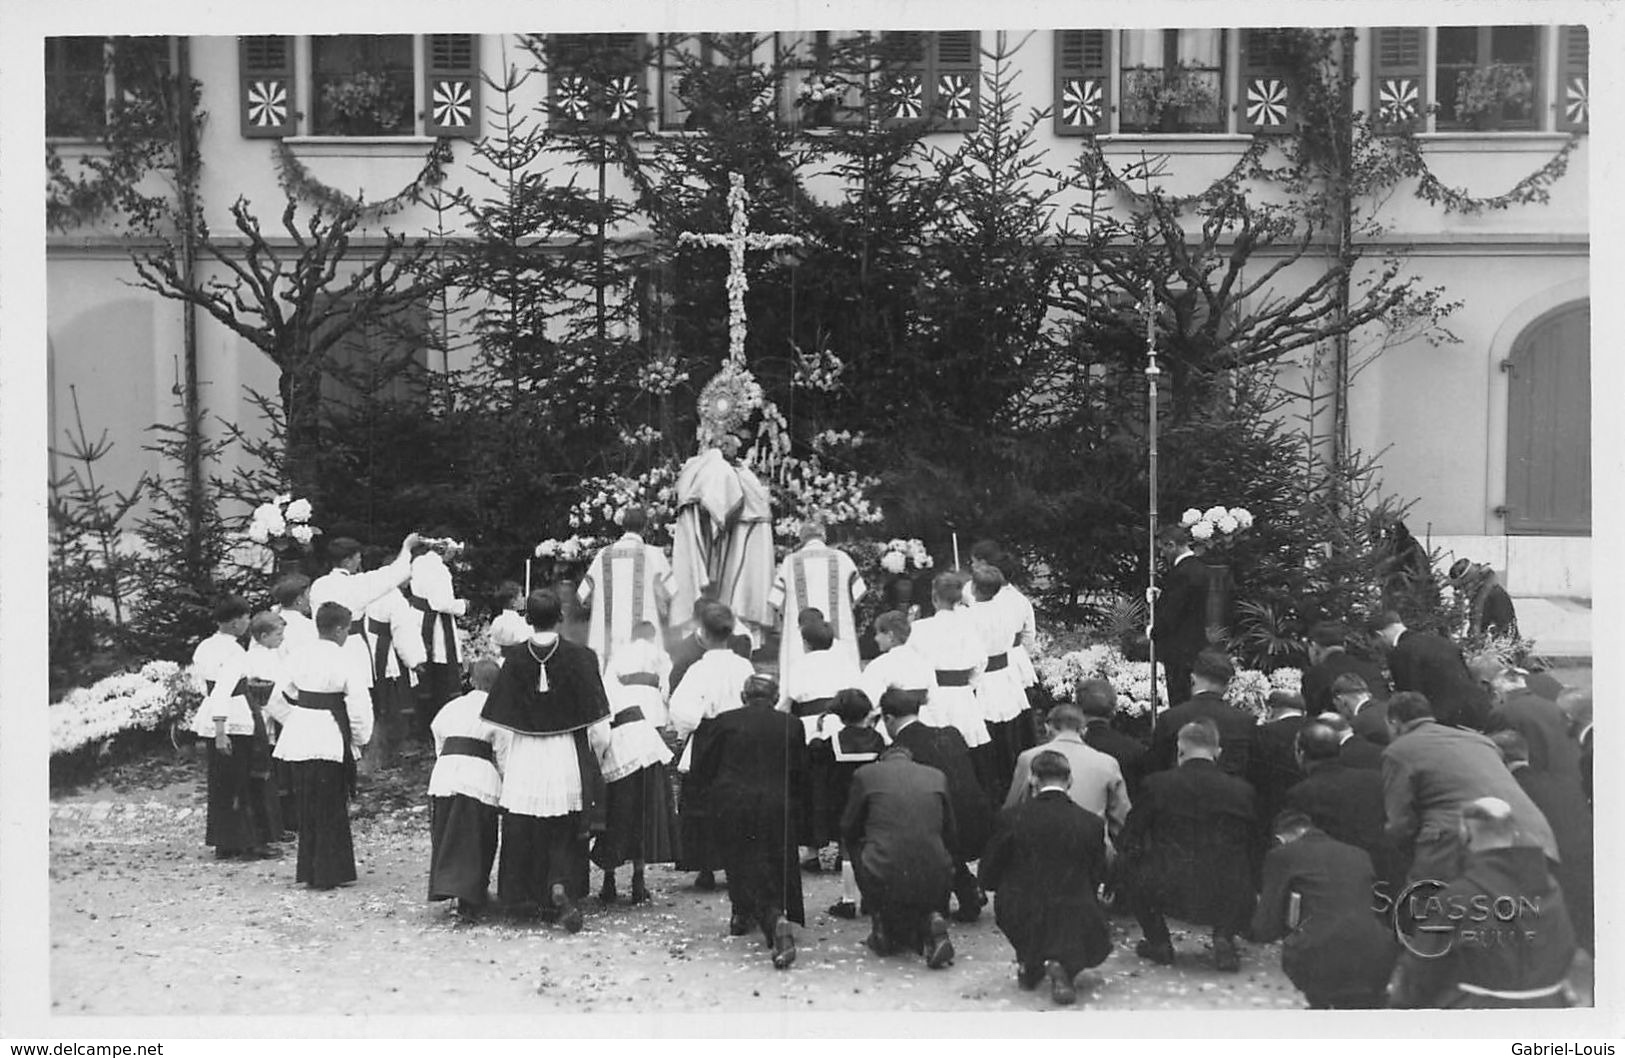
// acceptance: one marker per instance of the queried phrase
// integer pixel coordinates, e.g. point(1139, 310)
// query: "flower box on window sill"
point(360, 146)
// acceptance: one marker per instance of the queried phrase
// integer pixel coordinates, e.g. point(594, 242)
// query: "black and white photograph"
point(807, 521)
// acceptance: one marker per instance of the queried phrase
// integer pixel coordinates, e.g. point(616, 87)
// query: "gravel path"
point(145, 921)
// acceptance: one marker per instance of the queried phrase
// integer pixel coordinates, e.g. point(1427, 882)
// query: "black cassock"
point(1045, 861)
point(753, 766)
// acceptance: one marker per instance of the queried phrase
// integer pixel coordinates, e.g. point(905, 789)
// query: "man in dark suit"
point(1045, 861)
point(1432, 666)
point(1210, 675)
point(753, 766)
point(1328, 659)
point(1352, 750)
point(1189, 841)
point(1541, 723)
point(944, 749)
point(1344, 802)
point(1317, 894)
point(1428, 772)
point(1179, 624)
point(1576, 705)
point(1563, 803)
point(897, 826)
point(1273, 766)
point(1098, 702)
point(1368, 717)
point(686, 651)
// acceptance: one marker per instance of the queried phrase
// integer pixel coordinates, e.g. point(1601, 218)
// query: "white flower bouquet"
point(1249, 690)
point(1217, 527)
point(1130, 679)
point(1287, 681)
point(282, 521)
point(158, 693)
point(573, 549)
point(900, 555)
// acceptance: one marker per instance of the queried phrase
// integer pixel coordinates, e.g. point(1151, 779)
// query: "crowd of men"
point(1392, 791)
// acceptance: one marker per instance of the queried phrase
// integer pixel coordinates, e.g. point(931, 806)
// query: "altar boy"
point(326, 712)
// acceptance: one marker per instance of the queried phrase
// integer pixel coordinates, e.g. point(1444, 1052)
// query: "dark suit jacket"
point(1318, 679)
point(944, 749)
point(688, 650)
point(898, 827)
point(1356, 752)
point(1347, 804)
point(1180, 624)
point(1274, 764)
point(1340, 945)
point(1432, 665)
point(1046, 859)
point(1544, 727)
point(1371, 723)
point(1190, 841)
point(753, 766)
point(1128, 751)
point(1236, 731)
point(1563, 803)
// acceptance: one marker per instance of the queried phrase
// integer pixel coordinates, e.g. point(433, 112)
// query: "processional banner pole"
point(1151, 373)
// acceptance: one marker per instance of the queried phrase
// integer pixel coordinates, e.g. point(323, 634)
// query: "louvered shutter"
point(955, 80)
point(451, 84)
point(1573, 78)
point(624, 95)
point(903, 81)
point(1269, 89)
point(596, 79)
point(1083, 84)
point(1399, 88)
point(268, 99)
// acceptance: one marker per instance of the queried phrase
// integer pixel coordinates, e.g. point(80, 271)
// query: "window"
point(678, 54)
point(823, 84)
point(1574, 82)
point(597, 80)
point(931, 77)
point(360, 85)
point(1172, 80)
point(383, 357)
point(76, 76)
point(1488, 77)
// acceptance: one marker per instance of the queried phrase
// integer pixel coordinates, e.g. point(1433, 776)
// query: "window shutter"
point(625, 97)
point(596, 78)
point(451, 84)
point(1083, 82)
point(268, 99)
point(903, 82)
point(1269, 86)
point(956, 80)
point(1399, 89)
point(1573, 78)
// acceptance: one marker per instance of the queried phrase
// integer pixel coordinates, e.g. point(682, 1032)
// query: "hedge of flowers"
point(148, 699)
point(1061, 672)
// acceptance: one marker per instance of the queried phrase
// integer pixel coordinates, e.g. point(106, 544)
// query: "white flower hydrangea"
point(1249, 690)
point(1190, 517)
point(299, 511)
point(1202, 530)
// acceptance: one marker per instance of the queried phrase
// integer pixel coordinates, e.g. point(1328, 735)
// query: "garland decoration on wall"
point(1247, 165)
point(298, 182)
point(1533, 189)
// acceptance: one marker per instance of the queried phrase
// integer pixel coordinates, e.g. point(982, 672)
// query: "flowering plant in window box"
point(1488, 93)
point(1153, 94)
point(366, 104)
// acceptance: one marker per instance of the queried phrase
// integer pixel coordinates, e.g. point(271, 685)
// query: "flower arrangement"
point(1131, 680)
point(1217, 527)
point(1484, 93)
point(1148, 92)
point(661, 375)
point(574, 549)
point(816, 91)
point(604, 498)
point(1287, 680)
point(366, 103)
point(818, 370)
point(1249, 690)
point(157, 694)
point(282, 522)
point(900, 555)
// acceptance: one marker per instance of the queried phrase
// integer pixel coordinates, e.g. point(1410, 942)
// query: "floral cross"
point(736, 241)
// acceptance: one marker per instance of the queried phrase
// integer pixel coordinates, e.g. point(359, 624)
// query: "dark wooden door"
point(1549, 426)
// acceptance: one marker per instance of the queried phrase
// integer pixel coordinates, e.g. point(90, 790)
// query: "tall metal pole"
point(1151, 373)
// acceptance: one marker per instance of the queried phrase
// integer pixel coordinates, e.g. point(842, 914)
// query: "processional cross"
point(736, 240)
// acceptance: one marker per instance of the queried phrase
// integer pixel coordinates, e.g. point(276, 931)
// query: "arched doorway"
point(1549, 425)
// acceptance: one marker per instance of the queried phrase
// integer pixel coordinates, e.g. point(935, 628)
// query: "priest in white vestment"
point(628, 581)
point(723, 538)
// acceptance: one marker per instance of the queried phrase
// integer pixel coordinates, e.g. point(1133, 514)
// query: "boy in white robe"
point(509, 628)
point(713, 685)
point(464, 791)
point(432, 594)
point(292, 596)
point(642, 826)
point(997, 687)
point(346, 585)
point(243, 818)
point(899, 664)
point(224, 649)
point(395, 637)
point(950, 644)
point(326, 713)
